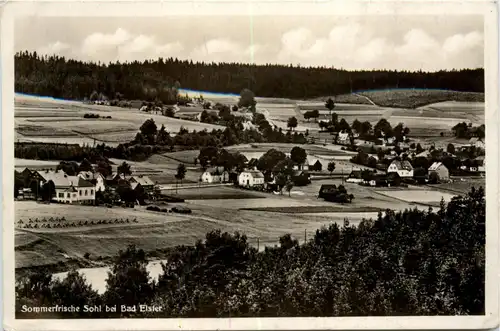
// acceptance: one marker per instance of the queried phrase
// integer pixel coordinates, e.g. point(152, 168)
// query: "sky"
point(428, 43)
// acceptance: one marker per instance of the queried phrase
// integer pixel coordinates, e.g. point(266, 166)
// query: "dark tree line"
point(159, 79)
point(412, 262)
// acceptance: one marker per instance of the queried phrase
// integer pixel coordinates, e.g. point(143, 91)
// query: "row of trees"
point(412, 262)
point(66, 78)
point(466, 131)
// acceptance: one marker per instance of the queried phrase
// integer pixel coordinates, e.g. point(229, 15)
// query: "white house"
point(402, 168)
point(441, 171)
point(95, 178)
point(251, 178)
point(215, 175)
point(343, 138)
point(70, 189)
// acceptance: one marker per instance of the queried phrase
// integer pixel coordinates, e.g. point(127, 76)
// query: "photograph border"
point(14, 10)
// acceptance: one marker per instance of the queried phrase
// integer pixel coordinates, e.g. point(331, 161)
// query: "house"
point(354, 177)
point(215, 175)
point(441, 171)
point(147, 184)
point(403, 168)
point(301, 178)
point(477, 142)
point(70, 189)
point(251, 178)
point(317, 166)
point(95, 178)
point(376, 181)
point(113, 179)
point(343, 138)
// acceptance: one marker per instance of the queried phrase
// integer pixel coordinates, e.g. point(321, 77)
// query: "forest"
point(151, 80)
point(412, 262)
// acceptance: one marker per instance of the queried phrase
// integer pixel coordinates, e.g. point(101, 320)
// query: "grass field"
point(212, 193)
point(420, 196)
point(125, 123)
point(413, 98)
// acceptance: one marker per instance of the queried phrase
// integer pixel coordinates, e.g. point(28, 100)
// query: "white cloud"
point(54, 48)
point(348, 46)
point(354, 46)
point(223, 50)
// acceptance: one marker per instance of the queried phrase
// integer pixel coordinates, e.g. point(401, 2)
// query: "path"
point(368, 99)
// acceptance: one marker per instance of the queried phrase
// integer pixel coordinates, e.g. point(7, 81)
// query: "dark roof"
point(355, 174)
point(255, 173)
point(84, 183)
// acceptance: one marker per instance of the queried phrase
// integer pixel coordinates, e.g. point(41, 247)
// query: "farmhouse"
point(70, 189)
point(317, 166)
point(146, 183)
point(112, 180)
point(215, 175)
point(402, 168)
point(95, 178)
point(354, 177)
point(441, 171)
point(251, 178)
point(301, 178)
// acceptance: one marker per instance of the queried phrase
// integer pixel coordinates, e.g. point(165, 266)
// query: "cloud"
point(350, 46)
point(353, 46)
point(223, 50)
point(54, 48)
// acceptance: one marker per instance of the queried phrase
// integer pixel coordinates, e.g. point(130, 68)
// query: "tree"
point(366, 127)
point(298, 155)
point(292, 123)
point(75, 290)
point(124, 169)
point(208, 155)
point(288, 187)
point(419, 148)
point(128, 281)
point(331, 166)
point(383, 129)
point(48, 191)
point(85, 166)
point(330, 105)
point(181, 173)
point(343, 126)
point(247, 99)
point(450, 148)
point(357, 126)
point(269, 160)
point(148, 128)
point(235, 108)
point(104, 168)
point(125, 191)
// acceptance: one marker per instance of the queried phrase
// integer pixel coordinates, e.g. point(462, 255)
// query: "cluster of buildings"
point(81, 188)
point(401, 170)
point(249, 177)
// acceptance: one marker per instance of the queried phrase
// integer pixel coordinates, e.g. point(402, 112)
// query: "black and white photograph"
point(251, 166)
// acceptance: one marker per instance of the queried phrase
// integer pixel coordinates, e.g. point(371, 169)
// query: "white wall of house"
point(247, 179)
point(207, 177)
point(400, 172)
point(82, 194)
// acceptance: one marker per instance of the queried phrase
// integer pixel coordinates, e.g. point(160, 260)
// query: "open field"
point(413, 98)
point(420, 196)
point(213, 192)
point(125, 123)
point(460, 186)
